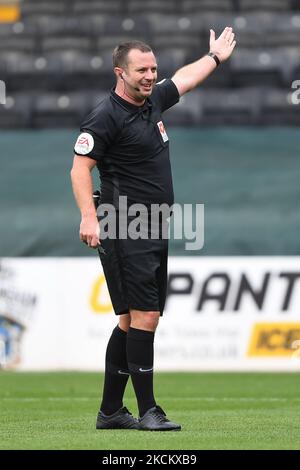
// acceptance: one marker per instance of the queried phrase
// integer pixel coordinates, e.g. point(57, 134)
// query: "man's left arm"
point(190, 76)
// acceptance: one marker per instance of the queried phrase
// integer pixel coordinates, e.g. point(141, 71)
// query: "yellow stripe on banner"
point(9, 13)
point(275, 339)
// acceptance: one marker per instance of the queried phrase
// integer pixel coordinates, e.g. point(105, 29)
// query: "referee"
point(124, 136)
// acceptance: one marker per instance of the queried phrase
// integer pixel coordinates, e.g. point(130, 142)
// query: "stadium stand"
point(147, 6)
point(277, 107)
point(98, 7)
point(64, 48)
point(263, 5)
point(240, 106)
point(55, 110)
point(189, 109)
point(16, 112)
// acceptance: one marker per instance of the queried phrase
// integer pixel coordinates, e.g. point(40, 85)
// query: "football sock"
point(116, 372)
point(140, 364)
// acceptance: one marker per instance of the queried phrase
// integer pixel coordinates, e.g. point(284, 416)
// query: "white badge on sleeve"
point(84, 144)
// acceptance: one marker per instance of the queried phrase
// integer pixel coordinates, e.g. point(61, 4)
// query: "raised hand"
point(224, 45)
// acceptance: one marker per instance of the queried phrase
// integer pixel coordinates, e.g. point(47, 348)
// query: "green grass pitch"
point(216, 410)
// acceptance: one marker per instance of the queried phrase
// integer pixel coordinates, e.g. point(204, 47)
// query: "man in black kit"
point(125, 137)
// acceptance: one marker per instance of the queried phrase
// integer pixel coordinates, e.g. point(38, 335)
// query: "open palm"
point(224, 45)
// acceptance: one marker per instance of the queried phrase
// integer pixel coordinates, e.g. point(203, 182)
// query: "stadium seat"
point(221, 78)
point(18, 28)
point(17, 43)
point(176, 24)
point(265, 5)
point(106, 42)
point(130, 25)
point(252, 29)
point(192, 43)
point(271, 67)
point(169, 61)
point(16, 113)
point(81, 71)
point(295, 5)
point(284, 29)
point(293, 71)
point(187, 112)
point(33, 8)
point(60, 110)
point(231, 107)
point(11, 61)
point(215, 21)
point(98, 6)
point(262, 29)
point(279, 109)
point(157, 6)
point(67, 43)
point(73, 25)
point(193, 6)
point(29, 72)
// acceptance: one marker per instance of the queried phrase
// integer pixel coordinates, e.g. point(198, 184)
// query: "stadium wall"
point(247, 179)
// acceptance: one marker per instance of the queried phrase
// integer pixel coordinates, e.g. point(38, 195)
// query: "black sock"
point(140, 364)
point(116, 372)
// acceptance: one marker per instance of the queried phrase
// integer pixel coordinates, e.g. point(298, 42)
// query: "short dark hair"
point(120, 53)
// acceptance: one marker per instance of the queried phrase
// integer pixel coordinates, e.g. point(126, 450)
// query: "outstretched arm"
point(191, 75)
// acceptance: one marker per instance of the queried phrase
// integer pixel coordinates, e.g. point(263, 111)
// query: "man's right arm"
point(82, 184)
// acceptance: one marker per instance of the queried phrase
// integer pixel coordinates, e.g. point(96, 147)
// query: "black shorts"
point(136, 273)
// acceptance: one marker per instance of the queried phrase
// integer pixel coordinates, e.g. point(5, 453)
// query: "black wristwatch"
point(215, 57)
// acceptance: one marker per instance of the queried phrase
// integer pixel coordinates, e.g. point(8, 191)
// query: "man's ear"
point(119, 71)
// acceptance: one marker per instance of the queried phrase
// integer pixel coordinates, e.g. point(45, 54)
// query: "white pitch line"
point(212, 399)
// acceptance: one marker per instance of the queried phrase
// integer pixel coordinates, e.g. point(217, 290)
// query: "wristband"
point(215, 57)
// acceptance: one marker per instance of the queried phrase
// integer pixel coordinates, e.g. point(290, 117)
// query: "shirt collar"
point(127, 105)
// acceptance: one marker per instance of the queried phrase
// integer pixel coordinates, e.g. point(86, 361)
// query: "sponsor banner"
point(275, 339)
point(222, 313)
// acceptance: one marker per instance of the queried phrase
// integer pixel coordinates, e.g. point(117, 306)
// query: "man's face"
point(140, 73)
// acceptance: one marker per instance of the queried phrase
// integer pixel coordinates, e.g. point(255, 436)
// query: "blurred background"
point(234, 147)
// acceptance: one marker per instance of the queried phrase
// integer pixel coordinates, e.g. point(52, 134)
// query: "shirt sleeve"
point(97, 133)
point(167, 93)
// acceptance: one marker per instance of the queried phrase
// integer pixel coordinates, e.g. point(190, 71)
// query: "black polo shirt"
point(131, 147)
